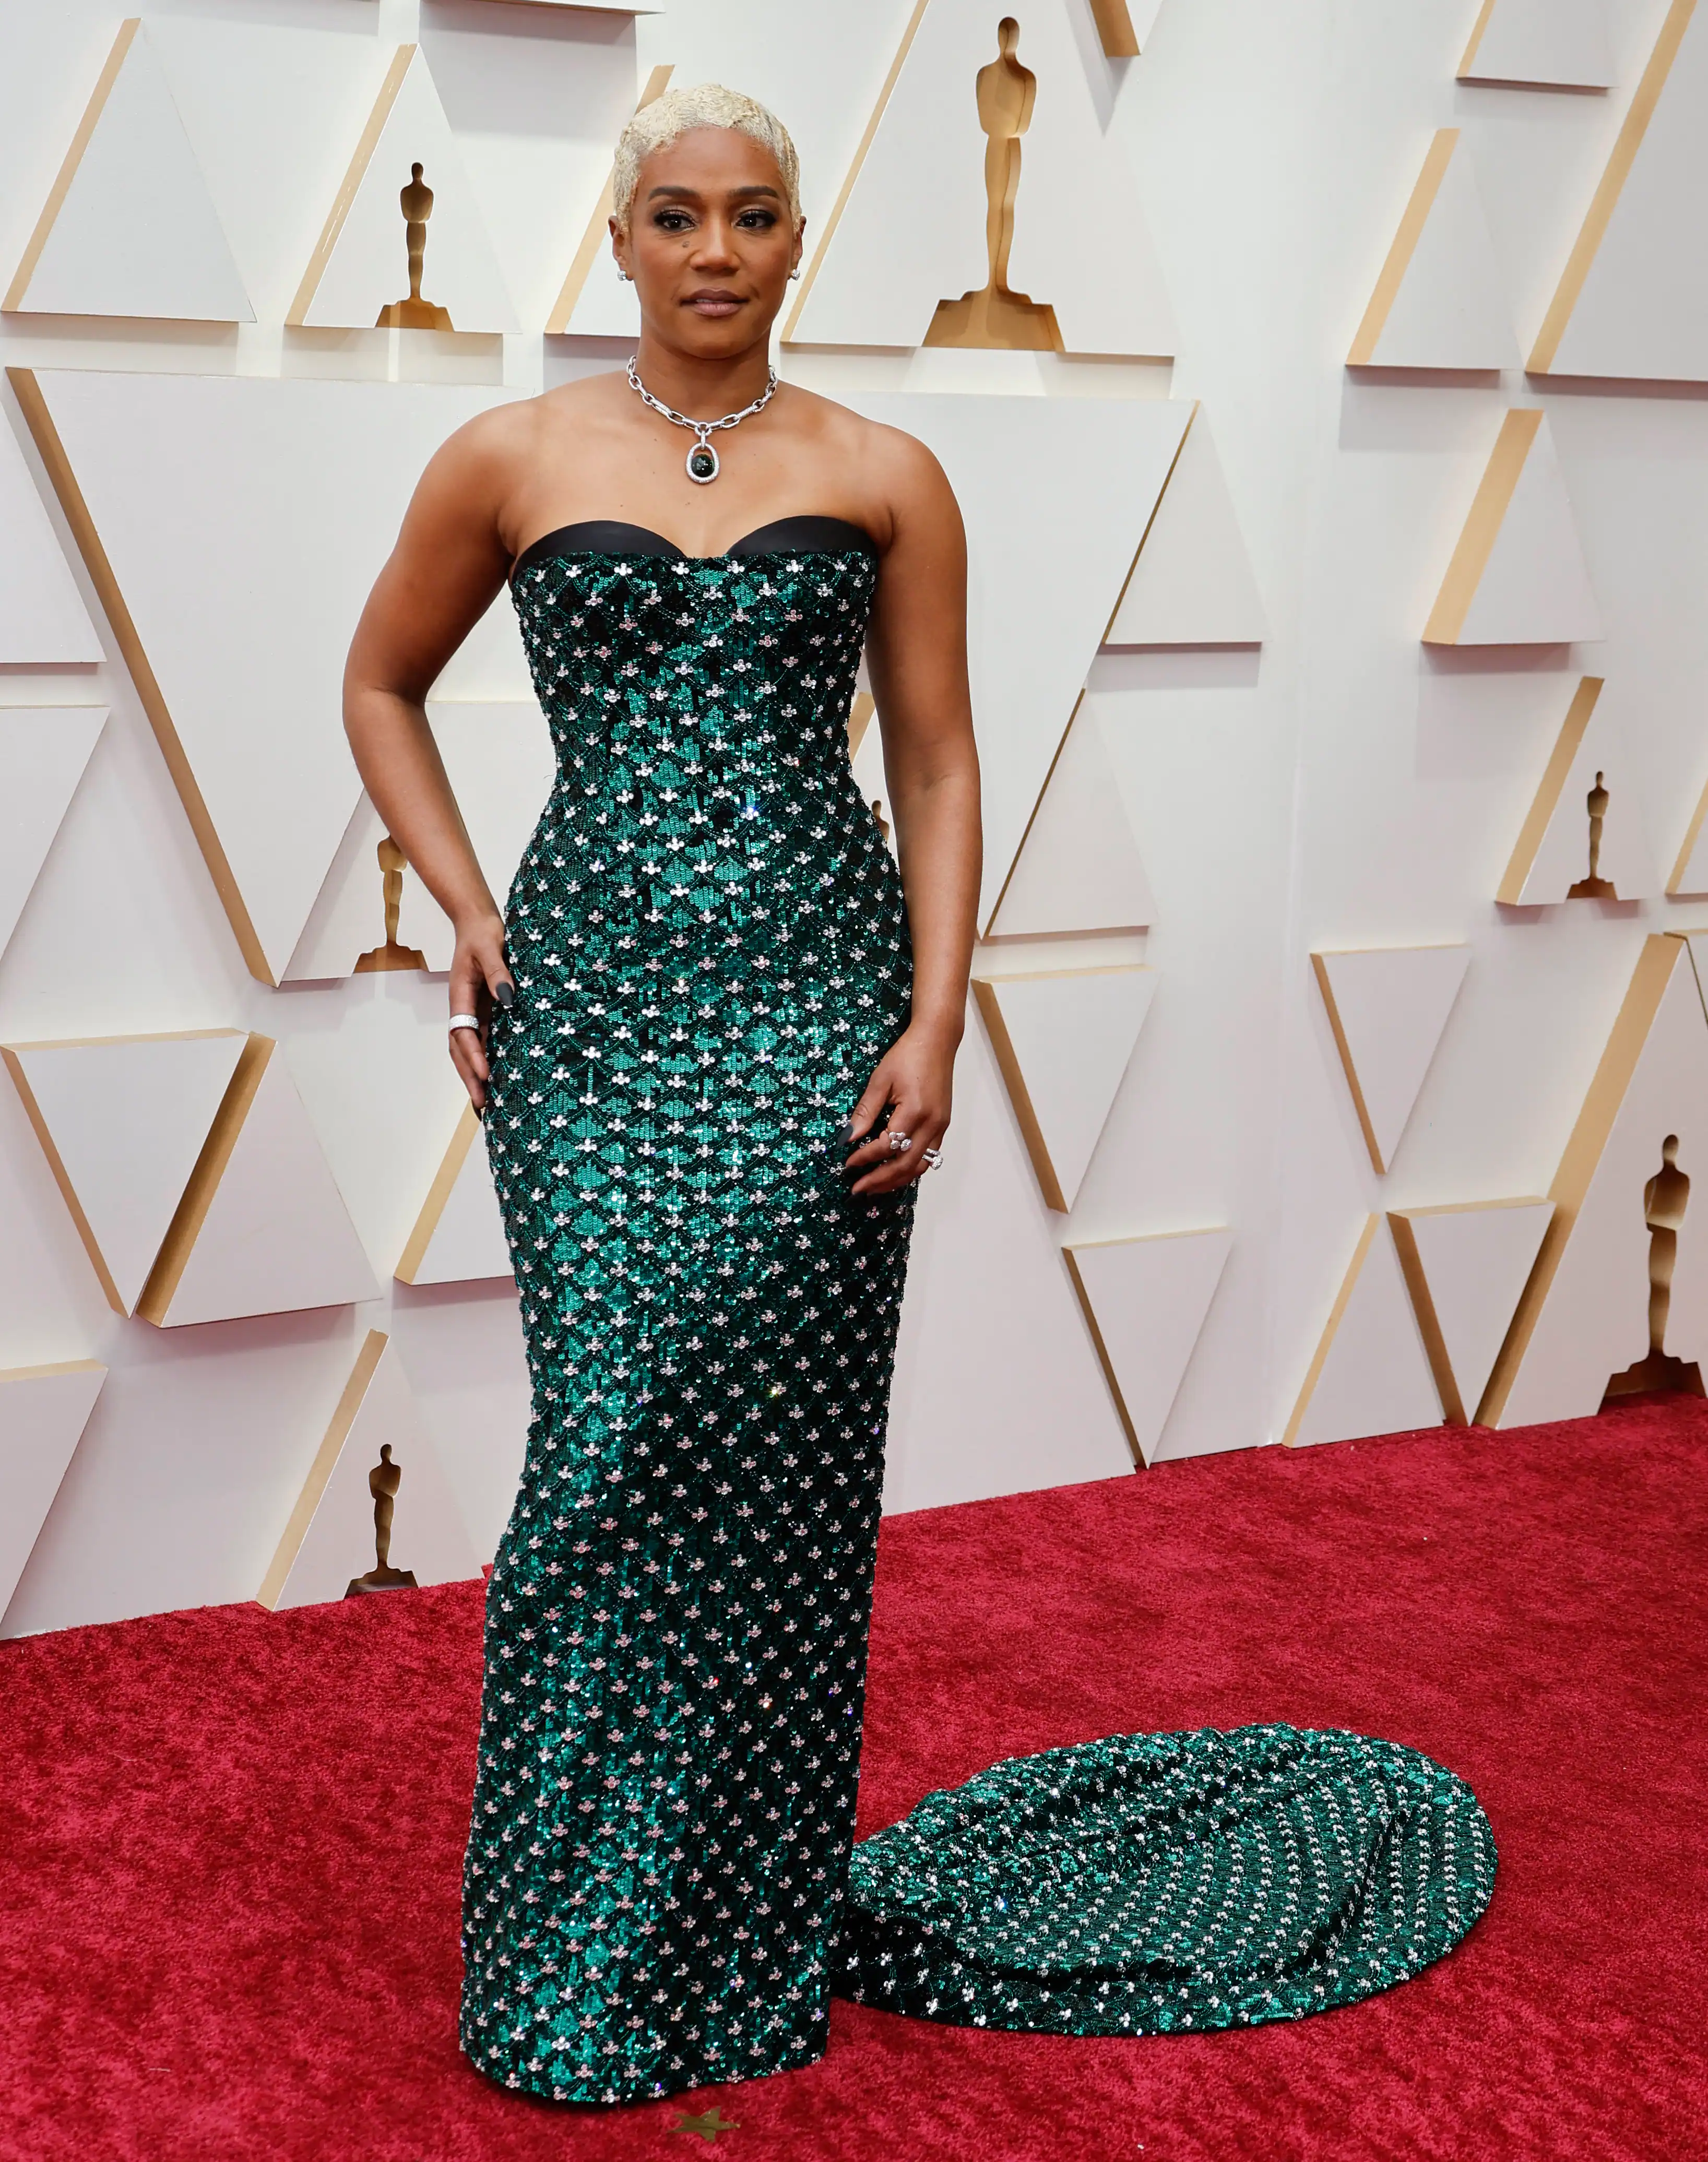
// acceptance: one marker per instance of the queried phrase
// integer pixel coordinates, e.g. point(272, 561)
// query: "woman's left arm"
point(916, 657)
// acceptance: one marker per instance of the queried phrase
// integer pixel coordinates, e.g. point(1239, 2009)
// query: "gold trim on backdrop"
point(1675, 884)
point(354, 177)
point(444, 1178)
point(597, 228)
point(1032, 817)
point(1467, 58)
point(1546, 801)
point(1319, 1357)
point(853, 171)
point(1482, 527)
point(1634, 126)
point(33, 1111)
point(185, 1227)
point(1424, 1306)
point(1583, 1153)
point(1102, 1349)
point(1031, 1133)
point(1114, 27)
point(1415, 217)
point(43, 1373)
point(56, 1165)
point(34, 408)
point(74, 158)
point(320, 1472)
point(1132, 568)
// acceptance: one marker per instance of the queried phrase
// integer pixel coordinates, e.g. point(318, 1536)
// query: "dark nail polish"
point(505, 994)
point(845, 1134)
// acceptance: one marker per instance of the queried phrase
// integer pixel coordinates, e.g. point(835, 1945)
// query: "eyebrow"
point(757, 188)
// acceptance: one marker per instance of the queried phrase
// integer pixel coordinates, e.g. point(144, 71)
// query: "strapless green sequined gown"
point(710, 954)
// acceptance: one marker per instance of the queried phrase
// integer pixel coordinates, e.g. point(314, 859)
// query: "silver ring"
point(900, 1143)
point(463, 1020)
point(930, 1158)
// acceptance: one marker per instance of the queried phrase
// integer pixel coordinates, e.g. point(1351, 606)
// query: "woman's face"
point(709, 244)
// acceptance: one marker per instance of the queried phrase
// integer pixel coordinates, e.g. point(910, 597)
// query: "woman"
point(712, 1042)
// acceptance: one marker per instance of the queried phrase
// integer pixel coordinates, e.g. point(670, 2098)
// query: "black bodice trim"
point(614, 536)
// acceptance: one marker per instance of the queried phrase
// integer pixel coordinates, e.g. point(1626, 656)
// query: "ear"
point(619, 245)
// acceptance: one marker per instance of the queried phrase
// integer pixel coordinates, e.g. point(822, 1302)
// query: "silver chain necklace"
point(703, 461)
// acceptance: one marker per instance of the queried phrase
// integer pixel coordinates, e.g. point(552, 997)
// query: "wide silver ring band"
point(463, 1020)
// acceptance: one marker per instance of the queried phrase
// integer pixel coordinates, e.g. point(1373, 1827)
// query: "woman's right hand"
point(479, 974)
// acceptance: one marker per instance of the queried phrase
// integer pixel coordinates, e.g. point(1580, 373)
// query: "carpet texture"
point(231, 1841)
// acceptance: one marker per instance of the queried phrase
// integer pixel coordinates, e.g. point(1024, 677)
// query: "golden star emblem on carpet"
point(708, 2124)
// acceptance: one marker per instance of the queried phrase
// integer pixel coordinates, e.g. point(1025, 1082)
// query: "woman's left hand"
point(916, 1078)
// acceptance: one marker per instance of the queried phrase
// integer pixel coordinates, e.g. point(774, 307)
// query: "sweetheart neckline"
point(667, 551)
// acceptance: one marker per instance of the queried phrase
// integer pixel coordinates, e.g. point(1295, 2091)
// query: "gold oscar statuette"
point(1594, 887)
point(382, 1483)
point(994, 316)
point(415, 314)
point(1664, 1199)
point(393, 863)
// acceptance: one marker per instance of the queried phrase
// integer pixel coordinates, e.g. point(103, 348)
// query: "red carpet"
point(231, 1841)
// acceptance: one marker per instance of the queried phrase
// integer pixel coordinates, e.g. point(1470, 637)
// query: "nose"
point(716, 247)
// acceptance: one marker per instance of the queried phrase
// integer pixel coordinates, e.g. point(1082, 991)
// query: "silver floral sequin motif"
point(1161, 1883)
point(710, 950)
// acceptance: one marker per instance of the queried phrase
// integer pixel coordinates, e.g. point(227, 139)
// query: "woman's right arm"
point(449, 562)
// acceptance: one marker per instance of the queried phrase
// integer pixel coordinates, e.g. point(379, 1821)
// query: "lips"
point(713, 303)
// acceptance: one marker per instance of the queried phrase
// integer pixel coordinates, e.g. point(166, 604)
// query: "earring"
point(794, 275)
point(625, 277)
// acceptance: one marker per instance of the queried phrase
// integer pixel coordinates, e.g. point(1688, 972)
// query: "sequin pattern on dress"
point(710, 954)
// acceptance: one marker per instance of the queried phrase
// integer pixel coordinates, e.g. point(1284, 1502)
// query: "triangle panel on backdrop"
point(1145, 1301)
point(1062, 1039)
point(1079, 866)
point(129, 228)
point(459, 1236)
point(42, 621)
point(924, 144)
point(1585, 1319)
point(122, 1122)
point(1466, 1266)
point(1369, 1373)
point(1517, 576)
point(44, 750)
point(1583, 838)
point(1439, 301)
point(1057, 494)
point(43, 1413)
point(330, 1541)
point(1192, 582)
point(262, 1228)
point(221, 487)
point(1388, 1007)
point(1552, 44)
point(1633, 299)
point(360, 266)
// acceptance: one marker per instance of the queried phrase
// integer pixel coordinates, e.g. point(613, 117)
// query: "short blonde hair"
point(706, 105)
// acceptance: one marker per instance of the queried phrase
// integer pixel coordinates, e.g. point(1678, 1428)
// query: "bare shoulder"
point(509, 437)
point(894, 466)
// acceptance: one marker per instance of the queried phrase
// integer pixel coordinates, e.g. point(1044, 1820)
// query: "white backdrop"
point(1320, 781)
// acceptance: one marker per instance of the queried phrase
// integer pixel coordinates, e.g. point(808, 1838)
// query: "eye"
point(757, 219)
point(672, 221)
